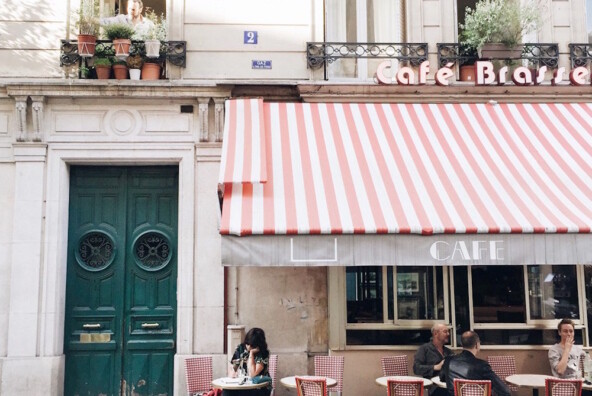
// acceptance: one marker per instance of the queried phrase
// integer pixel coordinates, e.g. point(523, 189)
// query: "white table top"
point(290, 382)
point(437, 382)
point(383, 380)
point(534, 380)
point(234, 383)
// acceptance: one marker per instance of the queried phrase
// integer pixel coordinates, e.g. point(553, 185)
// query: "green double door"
point(121, 281)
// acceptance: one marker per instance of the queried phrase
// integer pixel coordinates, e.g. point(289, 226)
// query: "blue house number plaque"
point(250, 37)
point(260, 64)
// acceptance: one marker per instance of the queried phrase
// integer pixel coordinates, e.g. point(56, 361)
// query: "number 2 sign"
point(250, 37)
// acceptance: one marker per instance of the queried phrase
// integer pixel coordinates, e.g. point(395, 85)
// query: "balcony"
point(171, 52)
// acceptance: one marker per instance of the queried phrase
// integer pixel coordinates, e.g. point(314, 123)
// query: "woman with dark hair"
point(251, 358)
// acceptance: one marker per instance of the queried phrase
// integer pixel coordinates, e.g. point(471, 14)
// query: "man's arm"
point(498, 386)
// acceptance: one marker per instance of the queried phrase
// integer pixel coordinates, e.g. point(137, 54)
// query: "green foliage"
point(159, 30)
point(135, 61)
point(119, 62)
point(102, 62)
point(500, 21)
point(118, 31)
point(88, 17)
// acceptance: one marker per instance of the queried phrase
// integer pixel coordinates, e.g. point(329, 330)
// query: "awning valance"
point(301, 169)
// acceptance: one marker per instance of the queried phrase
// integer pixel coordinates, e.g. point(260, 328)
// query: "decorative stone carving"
point(38, 102)
point(21, 118)
point(203, 119)
point(123, 122)
point(219, 119)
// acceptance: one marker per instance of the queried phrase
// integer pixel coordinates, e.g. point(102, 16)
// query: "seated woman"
point(252, 358)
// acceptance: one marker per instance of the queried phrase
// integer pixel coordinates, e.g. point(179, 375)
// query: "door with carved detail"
point(121, 281)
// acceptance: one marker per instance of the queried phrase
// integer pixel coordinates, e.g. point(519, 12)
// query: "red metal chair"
point(198, 371)
point(404, 387)
point(332, 367)
point(463, 387)
point(311, 386)
point(503, 366)
point(395, 365)
point(563, 387)
point(272, 367)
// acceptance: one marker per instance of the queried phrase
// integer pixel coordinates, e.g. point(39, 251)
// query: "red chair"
point(395, 365)
point(311, 386)
point(404, 387)
point(503, 366)
point(332, 367)
point(272, 367)
point(198, 371)
point(563, 387)
point(463, 387)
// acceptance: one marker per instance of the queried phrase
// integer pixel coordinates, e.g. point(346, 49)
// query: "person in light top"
point(564, 357)
point(134, 18)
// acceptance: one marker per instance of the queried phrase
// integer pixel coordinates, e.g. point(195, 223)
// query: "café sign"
point(485, 75)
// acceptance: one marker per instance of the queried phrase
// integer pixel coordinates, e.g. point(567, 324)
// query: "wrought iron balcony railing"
point(537, 54)
point(172, 51)
point(320, 54)
point(580, 54)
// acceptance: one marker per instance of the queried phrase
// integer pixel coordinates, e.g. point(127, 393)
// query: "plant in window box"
point(120, 69)
point(151, 69)
point(135, 62)
point(88, 27)
point(156, 34)
point(468, 57)
point(496, 27)
point(120, 34)
point(102, 67)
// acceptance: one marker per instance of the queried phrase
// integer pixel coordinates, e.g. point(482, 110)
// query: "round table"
point(437, 382)
point(383, 380)
point(290, 382)
point(234, 384)
point(535, 381)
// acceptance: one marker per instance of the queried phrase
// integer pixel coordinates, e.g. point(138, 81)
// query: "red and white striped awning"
point(426, 169)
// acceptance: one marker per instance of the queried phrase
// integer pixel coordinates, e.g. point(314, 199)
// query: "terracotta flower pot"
point(121, 47)
point(467, 73)
point(152, 48)
point(86, 45)
point(120, 72)
point(150, 71)
point(500, 51)
point(103, 72)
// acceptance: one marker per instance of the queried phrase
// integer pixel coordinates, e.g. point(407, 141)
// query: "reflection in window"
point(498, 294)
point(364, 294)
point(553, 291)
point(361, 21)
point(420, 294)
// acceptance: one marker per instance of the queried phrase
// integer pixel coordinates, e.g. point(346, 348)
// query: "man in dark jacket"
point(429, 358)
point(466, 366)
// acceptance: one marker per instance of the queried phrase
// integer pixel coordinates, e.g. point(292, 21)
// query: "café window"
point(361, 21)
point(394, 305)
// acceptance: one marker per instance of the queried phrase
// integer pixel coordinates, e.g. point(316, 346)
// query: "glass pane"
point(523, 337)
point(553, 291)
point(461, 301)
point(588, 288)
point(364, 294)
point(420, 293)
point(498, 294)
point(589, 19)
point(387, 337)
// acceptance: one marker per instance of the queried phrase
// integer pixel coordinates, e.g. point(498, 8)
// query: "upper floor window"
point(589, 20)
point(361, 21)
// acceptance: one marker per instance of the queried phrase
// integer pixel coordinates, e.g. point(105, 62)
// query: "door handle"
point(150, 325)
point(91, 326)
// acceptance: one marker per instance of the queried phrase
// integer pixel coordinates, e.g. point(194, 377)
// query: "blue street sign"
point(250, 37)
point(261, 64)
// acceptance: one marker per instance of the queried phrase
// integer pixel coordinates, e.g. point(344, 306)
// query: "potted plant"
point(155, 35)
point(499, 25)
point(88, 27)
point(120, 69)
point(103, 68)
point(134, 62)
point(120, 34)
point(151, 69)
point(467, 61)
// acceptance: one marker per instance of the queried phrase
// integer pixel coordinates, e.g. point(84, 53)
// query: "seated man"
point(564, 357)
point(429, 358)
point(466, 366)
